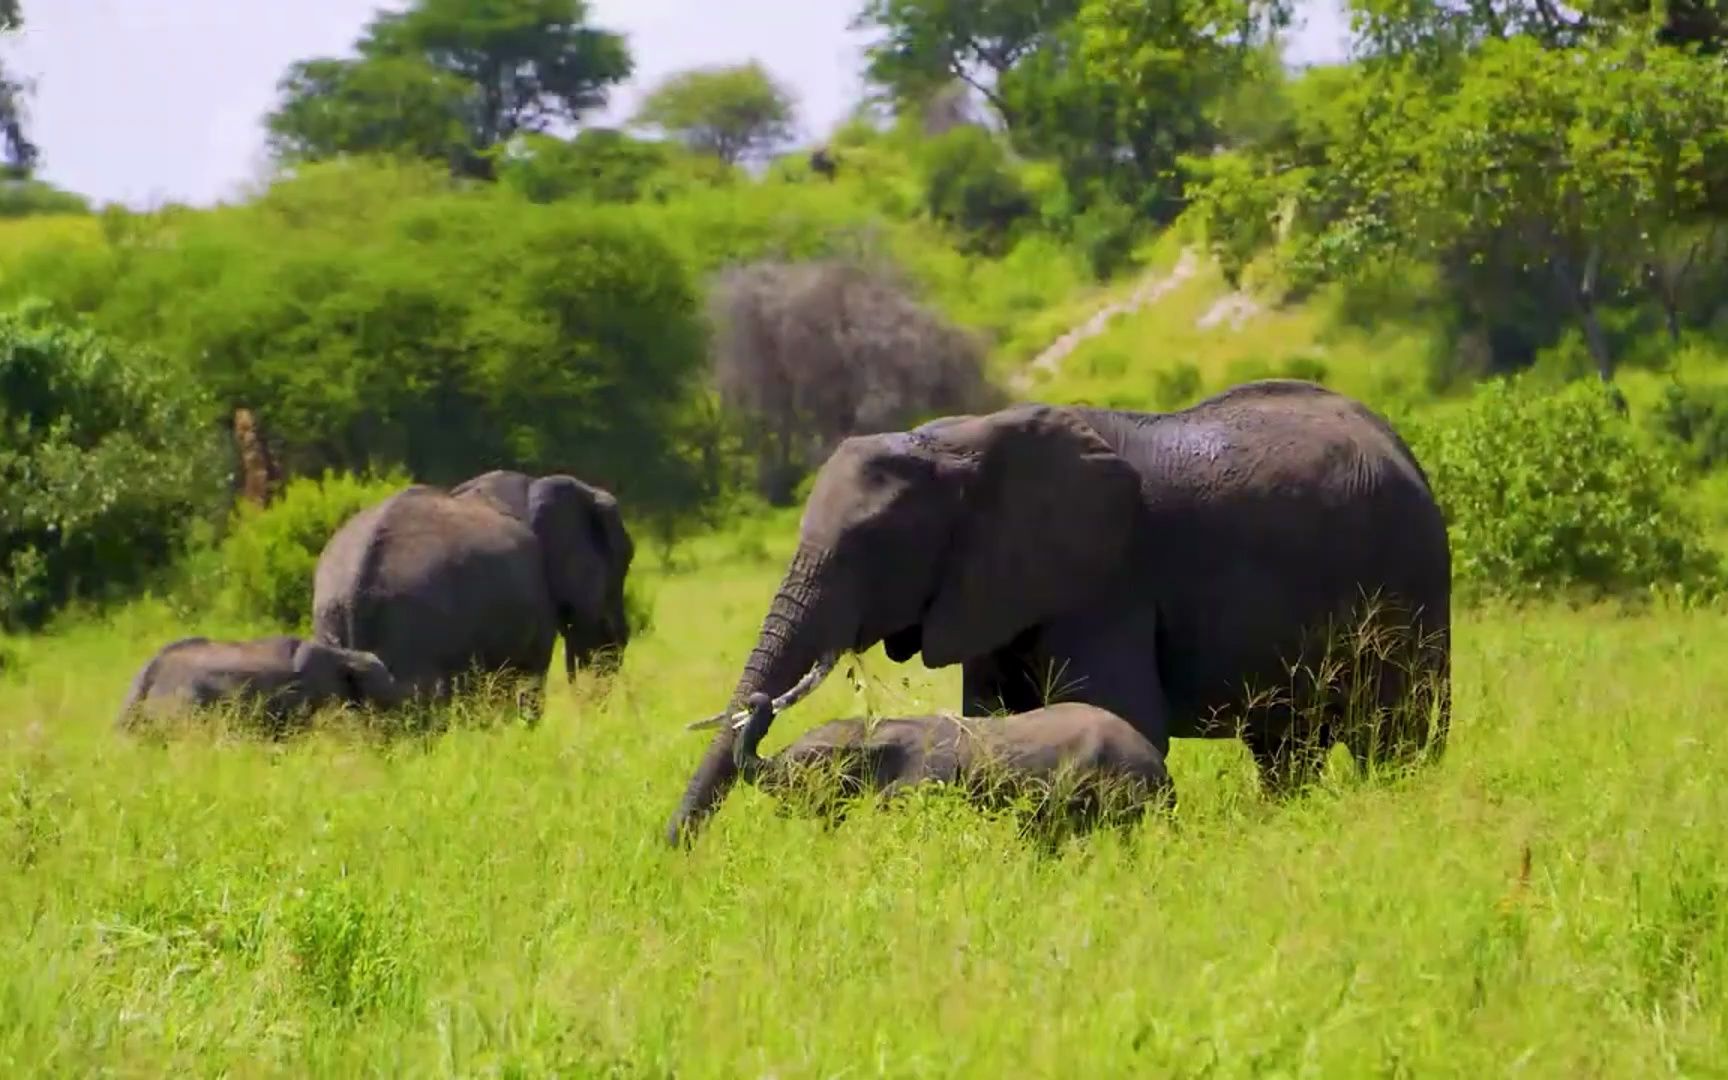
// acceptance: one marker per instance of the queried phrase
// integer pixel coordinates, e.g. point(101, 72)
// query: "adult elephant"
point(482, 577)
point(284, 675)
point(1183, 570)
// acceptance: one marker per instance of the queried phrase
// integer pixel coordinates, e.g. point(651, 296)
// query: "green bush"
point(1556, 493)
point(27, 198)
point(606, 165)
point(969, 187)
point(368, 313)
point(1695, 419)
point(106, 460)
point(269, 554)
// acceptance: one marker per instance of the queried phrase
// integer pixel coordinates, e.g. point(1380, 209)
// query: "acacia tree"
point(476, 72)
point(733, 112)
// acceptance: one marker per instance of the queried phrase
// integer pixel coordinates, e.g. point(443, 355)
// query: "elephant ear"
point(1050, 508)
point(569, 542)
point(620, 550)
point(369, 680)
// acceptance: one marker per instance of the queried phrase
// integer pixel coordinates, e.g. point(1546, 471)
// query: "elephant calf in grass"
point(1082, 765)
point(284, 675)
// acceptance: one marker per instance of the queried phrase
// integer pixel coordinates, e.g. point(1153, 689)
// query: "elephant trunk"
point(796, 634)
point(569, 654)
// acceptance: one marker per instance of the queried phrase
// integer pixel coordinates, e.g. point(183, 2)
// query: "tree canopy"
point(732, 112)
point(450, 80)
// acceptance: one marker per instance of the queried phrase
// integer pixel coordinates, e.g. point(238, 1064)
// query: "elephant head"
point(329, 673)
point(587, 554)
point(948, 540)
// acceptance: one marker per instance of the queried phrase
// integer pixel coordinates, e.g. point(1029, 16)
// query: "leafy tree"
point(106, 457)
point(1579, 172)
point(969, 186)
point(387, 105)
point(1129, 87)
point(18, 154)
point(731, 112)
point(923, 45)
point(487, 70)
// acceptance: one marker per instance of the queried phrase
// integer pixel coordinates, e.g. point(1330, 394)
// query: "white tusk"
point(799, 691)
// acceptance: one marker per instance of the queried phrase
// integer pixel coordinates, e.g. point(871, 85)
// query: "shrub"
point(969, 187)
point(606, 165)
point(27, 198)
point(809, 353)
point(1695, 420)
point(269, 555)
point(1554, 492)
point(106, 459)
point(367, 313)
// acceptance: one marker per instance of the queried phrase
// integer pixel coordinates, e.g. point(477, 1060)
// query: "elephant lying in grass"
point(1080, 765)
point(282, 676)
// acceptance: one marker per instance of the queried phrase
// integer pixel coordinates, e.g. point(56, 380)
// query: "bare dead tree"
point(809, 353)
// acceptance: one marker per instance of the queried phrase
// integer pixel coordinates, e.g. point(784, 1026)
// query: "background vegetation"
point(1500, 224)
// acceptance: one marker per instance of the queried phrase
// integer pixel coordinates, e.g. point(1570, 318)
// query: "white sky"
point(144, 101)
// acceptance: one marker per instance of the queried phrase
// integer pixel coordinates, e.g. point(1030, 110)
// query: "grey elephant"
point(1082, 764)
point(285, 676)
point(483, 577)
point(1186, 570)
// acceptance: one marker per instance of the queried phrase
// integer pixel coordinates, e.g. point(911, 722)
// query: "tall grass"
point(1551, 899)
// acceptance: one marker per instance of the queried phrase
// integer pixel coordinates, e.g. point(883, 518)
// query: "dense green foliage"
point(733, 113)
point(106, 460)
point(1557, 493)
point(270, 553)
point(373, 316)
point(450, 80)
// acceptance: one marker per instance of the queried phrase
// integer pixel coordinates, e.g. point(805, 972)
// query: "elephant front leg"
point(1107, 660)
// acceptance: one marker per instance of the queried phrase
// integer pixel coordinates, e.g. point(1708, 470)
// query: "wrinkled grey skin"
point(1068, 750)
point(287, 675)
point(1179, 569)
point(485, 576)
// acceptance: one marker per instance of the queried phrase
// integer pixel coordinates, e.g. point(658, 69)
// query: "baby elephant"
point(1086, 765)
point(285, 675)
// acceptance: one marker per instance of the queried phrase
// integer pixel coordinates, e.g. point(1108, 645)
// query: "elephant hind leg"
point(1289, 759)
point(1397, 709)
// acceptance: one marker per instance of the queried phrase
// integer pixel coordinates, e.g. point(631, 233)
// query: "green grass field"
point(495, 902)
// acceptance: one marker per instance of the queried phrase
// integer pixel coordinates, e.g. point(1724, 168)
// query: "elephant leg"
point(1392, 714)
point(1289, 747)
point(1002, 681)
point(531, 700)
point(1109, 661)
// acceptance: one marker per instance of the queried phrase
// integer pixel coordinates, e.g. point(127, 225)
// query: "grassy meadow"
point(1552, 899)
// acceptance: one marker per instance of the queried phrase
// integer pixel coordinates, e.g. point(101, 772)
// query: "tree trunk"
point(1578, 292)
point(258, 474)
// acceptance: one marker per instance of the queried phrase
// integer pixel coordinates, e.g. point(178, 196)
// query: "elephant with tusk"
point(1088, 764)
point(1189, 571)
